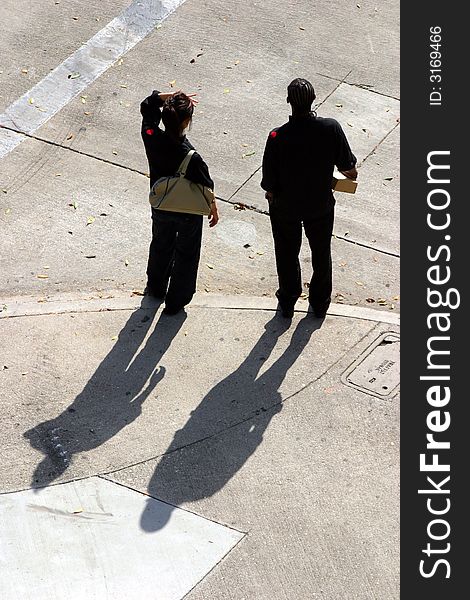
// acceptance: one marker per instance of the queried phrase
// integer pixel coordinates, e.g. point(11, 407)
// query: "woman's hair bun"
point(177, 109)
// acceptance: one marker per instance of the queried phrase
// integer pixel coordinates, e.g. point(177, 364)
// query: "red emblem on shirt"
point(149, 131)
point(273, 134)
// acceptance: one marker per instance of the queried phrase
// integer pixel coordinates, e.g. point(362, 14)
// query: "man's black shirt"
point(298, 164)
point(164, 153)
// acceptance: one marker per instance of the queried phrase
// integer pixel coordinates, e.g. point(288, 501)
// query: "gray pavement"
point(225, 453)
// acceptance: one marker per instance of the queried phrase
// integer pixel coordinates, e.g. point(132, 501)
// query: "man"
point(298, 164)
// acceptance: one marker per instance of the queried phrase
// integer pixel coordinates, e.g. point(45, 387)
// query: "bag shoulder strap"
point(184, 165)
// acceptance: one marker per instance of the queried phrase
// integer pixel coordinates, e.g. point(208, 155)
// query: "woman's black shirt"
point(164, 153)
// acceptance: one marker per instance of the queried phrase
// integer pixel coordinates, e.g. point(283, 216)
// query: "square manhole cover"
point(377, 370)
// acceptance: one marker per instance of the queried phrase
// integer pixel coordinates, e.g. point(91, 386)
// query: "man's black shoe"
point(286, 311)
point(172, 310)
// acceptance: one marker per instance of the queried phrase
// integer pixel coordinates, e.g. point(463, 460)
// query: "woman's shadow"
point(112, 398)
point(239, 409)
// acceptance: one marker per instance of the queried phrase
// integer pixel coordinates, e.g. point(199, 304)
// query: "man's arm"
point(269, 180)
point(151, 105)
point(345, 160)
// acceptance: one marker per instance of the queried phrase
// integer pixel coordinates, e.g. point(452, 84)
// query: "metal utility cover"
point(377, 370)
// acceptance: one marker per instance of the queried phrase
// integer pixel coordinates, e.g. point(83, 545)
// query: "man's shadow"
point(239, 408)
point(112, 398)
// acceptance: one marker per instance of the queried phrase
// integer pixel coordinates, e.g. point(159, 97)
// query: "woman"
point(176, 237)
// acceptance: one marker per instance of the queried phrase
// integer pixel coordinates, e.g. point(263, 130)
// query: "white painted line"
point(50, 95)
point(71, 303)
point(96, 540)
point(9, 140)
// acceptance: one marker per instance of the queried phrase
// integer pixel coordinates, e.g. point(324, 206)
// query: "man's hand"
point(214, 215)
point(351, 174)
point(269, 197)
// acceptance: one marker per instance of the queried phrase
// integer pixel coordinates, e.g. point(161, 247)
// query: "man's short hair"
point(300, 94)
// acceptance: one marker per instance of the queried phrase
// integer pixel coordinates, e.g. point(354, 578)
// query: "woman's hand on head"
point(166, 95)
point(192, 99)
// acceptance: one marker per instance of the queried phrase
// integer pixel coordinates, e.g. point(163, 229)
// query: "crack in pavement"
point(340, 81)
point(364, 245)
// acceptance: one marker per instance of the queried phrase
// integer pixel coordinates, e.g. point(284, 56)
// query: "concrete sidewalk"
point(229, 412)
point(223, 454)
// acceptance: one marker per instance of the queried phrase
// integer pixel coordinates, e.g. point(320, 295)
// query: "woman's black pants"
point(174, 256)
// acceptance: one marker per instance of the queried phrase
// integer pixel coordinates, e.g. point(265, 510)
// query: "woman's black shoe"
point(287, 313)
point(153, 294)
point(320, 312)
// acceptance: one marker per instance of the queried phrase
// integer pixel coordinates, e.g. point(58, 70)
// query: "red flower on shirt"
point(149, 131)
point(273, 134)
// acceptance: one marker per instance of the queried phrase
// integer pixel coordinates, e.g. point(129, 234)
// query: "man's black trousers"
point(174, 256)
point(287, 233)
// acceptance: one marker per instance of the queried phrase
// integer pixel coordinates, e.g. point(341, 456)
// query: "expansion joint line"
point(362, 245)
point(229, 201)
point(185, 509)
point(242, 185)
point(80, 152)
point(375, 148)
point(340, 81)
point(362, 86)
point(251, 416)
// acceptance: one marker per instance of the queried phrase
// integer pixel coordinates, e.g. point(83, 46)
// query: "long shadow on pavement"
point(190, 470)
point(112, 398)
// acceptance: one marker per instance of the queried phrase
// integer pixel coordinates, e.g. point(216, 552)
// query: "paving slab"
point(319, 497)
point(367, 118)
point(225, 411)
point(243, 55)
point(38, 35)
point(92, 233)
point(87, 393)
point(372, 215)
point(83, 540)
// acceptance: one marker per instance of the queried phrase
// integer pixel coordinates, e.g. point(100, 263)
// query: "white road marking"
point(46, 98)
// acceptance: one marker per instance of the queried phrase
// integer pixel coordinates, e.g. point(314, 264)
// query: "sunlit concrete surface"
point(96, 540)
